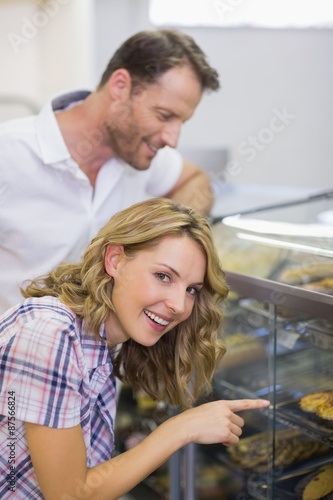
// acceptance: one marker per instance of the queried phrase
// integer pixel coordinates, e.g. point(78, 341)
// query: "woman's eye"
point(192, 290)
point(163, 277)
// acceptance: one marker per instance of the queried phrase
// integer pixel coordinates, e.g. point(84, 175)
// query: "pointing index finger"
point(247, 404)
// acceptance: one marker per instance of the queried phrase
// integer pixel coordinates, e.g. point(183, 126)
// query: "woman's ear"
point(113, 255)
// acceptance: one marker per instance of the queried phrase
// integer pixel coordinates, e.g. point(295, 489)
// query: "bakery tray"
point(296, 373)
point(286, 486)
point(285, 450)
point(284, 315)
point(320, 334)
point(316, 426)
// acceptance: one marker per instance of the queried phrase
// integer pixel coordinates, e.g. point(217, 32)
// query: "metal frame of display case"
point(301, 300)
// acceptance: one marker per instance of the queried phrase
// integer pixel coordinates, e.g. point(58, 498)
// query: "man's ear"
point(113, 255)
point(119, 85)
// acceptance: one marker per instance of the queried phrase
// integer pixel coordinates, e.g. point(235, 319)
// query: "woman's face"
point(153, 291)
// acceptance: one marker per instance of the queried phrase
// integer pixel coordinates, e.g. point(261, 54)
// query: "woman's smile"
point(156, 319)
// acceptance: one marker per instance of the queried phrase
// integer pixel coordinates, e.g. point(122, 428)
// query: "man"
point(65, 172)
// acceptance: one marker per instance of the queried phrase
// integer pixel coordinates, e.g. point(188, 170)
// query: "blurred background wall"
point(274, 113)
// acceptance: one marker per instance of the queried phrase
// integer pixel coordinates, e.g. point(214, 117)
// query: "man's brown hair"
point(147, 55)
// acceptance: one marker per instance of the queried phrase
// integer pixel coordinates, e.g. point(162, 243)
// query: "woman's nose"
point(176, 302)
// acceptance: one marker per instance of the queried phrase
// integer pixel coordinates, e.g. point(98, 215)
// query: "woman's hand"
point(217, 422)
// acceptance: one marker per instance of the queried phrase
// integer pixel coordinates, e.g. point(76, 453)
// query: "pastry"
point(291, 447)
point(316, 485)
point(320, 403)
point(311, 402)
point(305, 274)
point(326, 410)
point(324, 286)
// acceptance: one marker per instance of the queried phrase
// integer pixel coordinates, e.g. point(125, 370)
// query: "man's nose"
point(170, 134)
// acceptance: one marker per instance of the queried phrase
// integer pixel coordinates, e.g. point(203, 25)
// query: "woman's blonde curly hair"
point(180, 366)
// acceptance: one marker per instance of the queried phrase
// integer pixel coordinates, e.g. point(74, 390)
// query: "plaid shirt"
point(51, 373)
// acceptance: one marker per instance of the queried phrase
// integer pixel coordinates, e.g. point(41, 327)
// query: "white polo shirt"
point(49, 211)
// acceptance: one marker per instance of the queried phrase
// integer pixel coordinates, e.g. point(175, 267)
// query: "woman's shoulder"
point(44, 308)
point(38, 315)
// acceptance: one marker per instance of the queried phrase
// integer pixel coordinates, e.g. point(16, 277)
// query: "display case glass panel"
point(279, 335)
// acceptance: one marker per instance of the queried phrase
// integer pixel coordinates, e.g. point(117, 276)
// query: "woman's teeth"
point(155, 318)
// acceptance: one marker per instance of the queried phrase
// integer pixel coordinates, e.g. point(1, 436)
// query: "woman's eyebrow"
point(176, 272)
point(169, 267)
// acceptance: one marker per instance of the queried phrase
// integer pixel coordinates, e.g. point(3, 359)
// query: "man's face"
point(152, 118)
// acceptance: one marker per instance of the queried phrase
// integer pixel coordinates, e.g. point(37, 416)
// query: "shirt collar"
point(51, 142)
point(96, 352)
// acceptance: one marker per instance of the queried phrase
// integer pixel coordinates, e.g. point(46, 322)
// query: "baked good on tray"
point(298, 275)
point(311, 402)
point(324, 286)
point(325, 410)
point(320, 403)
point(291, 447)
point(317, 485)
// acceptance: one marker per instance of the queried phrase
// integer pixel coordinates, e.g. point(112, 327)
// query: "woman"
point(143, 305)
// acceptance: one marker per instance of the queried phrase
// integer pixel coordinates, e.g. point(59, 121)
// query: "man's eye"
point(165, 117)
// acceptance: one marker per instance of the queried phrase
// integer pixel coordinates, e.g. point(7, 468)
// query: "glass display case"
point(279, 336)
